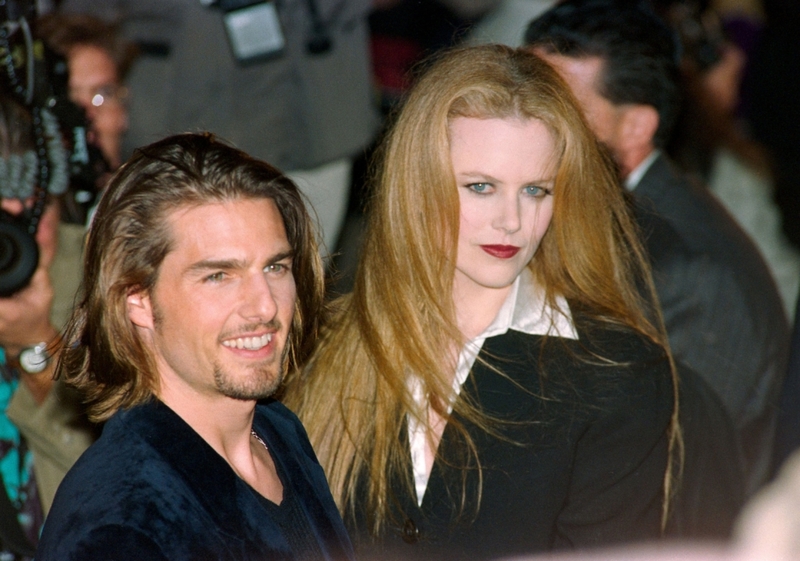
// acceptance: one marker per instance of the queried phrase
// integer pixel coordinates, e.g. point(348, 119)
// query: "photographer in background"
point(288, 82)
point(41, 428)
point(98, 59)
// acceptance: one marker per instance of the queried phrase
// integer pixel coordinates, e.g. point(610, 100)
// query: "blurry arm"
point(25, 321)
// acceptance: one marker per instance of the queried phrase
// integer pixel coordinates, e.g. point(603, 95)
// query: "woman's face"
point(504, 172)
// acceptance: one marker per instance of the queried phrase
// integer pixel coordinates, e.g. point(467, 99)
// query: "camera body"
point(19, 254)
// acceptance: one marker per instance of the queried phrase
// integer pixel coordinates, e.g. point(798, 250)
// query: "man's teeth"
point(249, 343)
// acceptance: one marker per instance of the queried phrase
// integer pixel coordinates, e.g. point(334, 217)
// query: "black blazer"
point(787, 435)
point(578, 458)
point(152, 489)
point(721, 308)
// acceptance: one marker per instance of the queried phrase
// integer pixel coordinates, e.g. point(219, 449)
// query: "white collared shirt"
point(634, 177)
point(524, 310)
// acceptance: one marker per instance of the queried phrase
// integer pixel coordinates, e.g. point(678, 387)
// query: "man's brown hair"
point(128, 240)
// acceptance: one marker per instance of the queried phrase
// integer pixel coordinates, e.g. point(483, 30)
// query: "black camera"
point(19, 254)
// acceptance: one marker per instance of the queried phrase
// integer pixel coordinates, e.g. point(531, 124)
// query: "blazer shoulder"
point(609, 367)
point(615, 342)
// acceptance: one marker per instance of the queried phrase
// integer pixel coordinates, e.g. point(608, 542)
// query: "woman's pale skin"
point(504, 175)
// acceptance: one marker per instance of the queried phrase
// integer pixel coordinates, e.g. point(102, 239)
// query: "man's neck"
point(633, 178)
point(223, 422)
point(226, 424)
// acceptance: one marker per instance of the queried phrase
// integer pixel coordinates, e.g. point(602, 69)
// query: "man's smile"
point(249, 343)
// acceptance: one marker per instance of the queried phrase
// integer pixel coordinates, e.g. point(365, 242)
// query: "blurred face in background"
point(94, 85)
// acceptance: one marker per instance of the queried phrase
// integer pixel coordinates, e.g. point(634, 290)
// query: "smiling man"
point(203, 285)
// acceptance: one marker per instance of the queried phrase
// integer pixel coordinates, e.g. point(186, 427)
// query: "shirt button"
point(410, 532)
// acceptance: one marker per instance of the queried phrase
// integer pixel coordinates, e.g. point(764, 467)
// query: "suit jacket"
point(152, 489)
point(787, 434)
point(721, 307)
point(577, 458)
point(710, 492)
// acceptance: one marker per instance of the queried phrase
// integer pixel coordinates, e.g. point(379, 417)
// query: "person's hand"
point(25, 316)
point(25, 321)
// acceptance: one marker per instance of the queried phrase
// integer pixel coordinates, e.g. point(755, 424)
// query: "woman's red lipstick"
point(501, 251)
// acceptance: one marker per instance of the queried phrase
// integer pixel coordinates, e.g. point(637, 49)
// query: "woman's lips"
point(501, 251)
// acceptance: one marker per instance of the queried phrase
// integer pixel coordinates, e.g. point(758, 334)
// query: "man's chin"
point(254, 389)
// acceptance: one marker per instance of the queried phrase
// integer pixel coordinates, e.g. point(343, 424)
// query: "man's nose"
point(258, 302)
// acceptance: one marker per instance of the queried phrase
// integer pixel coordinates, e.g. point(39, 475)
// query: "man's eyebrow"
point(224, 264)
point(231, 264)
point(288, 254)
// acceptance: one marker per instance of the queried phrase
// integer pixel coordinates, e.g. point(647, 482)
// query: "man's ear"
point(638, 127)
point(140, 309)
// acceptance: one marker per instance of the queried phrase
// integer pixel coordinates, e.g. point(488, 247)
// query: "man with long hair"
point(203, 286)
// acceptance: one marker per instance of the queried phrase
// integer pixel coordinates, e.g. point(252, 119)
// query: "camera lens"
point(19, 256)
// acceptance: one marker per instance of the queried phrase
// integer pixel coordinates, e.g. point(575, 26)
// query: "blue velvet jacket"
point(152, 489)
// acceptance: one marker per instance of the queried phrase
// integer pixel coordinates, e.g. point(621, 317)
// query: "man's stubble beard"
point(264, 381)
point(264, 386)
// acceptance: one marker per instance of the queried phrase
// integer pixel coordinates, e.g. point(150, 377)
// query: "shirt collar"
point(526, 310)
point(634, 177)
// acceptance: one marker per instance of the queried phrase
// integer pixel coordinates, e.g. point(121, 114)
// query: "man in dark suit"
point(721, 308)
point(203, 285)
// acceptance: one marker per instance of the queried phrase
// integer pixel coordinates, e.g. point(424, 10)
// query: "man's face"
point(218, 317)
point(94, 85)
point(583, 78)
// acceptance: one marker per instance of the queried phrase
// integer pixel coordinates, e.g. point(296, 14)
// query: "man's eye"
point(276, 268)
point(479, 187)
point(215, 277)
point(537, 192)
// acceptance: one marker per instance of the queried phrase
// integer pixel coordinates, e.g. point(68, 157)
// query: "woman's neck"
point(476, 306)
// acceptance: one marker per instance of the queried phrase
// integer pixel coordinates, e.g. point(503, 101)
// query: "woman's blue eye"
point(536, 191)
point(478, 187)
